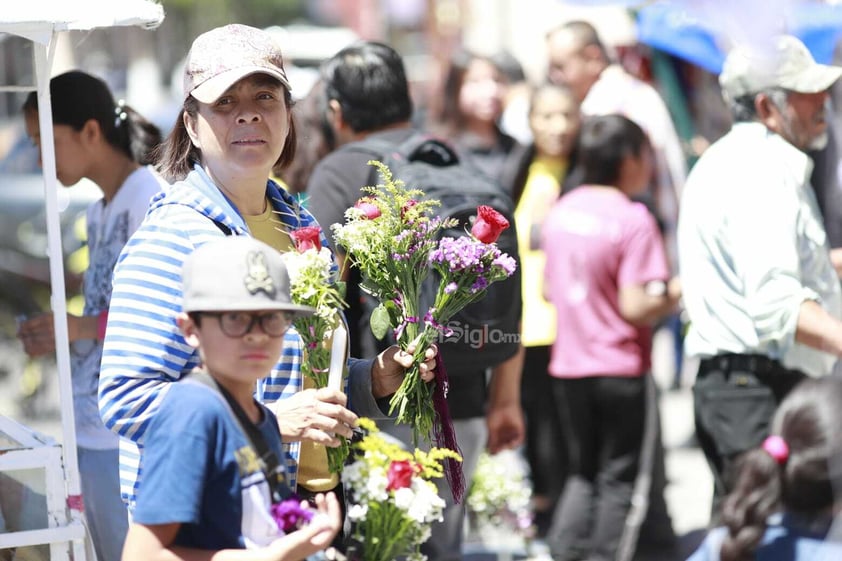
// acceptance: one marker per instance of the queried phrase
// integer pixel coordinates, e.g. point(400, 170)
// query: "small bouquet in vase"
point(313, 283)
point(394, 238)
point(392, 499)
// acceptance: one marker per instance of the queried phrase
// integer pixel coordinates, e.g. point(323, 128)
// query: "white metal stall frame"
point(40, 21)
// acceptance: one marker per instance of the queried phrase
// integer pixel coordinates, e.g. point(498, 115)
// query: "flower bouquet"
point(394, 238)
point(313, 283)
point(499, 495)
point(392, 500)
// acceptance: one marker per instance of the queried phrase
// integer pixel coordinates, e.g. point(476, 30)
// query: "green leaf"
point(379, 321)
point(342, 288)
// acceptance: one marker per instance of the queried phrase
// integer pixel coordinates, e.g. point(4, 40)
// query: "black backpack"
point(486, 332)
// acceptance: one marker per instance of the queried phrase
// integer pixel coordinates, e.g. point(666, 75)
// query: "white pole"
point(43, 62)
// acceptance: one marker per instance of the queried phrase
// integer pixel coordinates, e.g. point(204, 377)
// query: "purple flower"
point(480, 284)
point(291, 514)
point(505, 262)
point(458, 254)
point(450, 288)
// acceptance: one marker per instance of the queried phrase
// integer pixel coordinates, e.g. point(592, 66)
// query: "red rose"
point(370, 210)
point(400, 474)
point(307, 237)
point(488, 224)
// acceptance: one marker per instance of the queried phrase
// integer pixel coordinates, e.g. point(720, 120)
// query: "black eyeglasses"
point(237, 324)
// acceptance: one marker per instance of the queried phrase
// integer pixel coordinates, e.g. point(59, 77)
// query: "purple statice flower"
point(290, 515)
point(403, 234)
point(505, 262)
point(458, 254)
point(480, 284)
point(450, 288)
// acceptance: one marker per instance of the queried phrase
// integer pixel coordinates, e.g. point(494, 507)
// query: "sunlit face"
point(235, 361)
point(71, 158)
point(242, 134)
point(483, 91)
point(804, 120)
point(568, 66)
point(554, 120)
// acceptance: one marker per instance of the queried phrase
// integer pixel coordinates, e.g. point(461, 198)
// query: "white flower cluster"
point(359, 236)
point(301, 266)
point(309, 272)
point(500, 491)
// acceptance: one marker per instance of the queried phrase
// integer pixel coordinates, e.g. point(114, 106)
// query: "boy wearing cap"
point(211, 466)
point(762, 295)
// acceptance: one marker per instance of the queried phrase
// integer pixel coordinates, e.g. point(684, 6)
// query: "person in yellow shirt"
point(554, 121)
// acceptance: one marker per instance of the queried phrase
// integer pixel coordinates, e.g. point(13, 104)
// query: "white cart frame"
point(40, 21)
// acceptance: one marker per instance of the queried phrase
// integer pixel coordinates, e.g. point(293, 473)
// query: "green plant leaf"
point(380, 321)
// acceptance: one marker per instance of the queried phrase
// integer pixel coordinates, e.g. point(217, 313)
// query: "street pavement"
point(688, 492)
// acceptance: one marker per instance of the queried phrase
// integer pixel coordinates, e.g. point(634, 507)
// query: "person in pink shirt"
point(608, 277)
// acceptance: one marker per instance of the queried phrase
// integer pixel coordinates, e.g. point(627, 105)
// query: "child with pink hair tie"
point(783, 505)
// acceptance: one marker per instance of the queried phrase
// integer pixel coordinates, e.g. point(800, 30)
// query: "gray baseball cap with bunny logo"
point(237, 273)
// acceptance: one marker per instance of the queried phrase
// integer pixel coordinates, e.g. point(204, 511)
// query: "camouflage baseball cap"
point(222, 56)
point(237, 273)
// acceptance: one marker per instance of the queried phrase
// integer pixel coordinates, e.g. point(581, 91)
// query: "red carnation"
point(307, 237)
point(488, 224)
point(370, 210)
point(400, 474)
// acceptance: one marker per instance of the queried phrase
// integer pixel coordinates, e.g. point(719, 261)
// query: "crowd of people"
point(175, 335)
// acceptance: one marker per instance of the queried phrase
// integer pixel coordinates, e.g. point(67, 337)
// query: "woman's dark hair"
point(808, 420)
point(602, 145)
point(448, 118)
point(369, 82)
point(177, 154)
point(315, 136)
point(77, 97)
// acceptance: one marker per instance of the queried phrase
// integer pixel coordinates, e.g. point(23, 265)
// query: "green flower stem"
point(414, 399)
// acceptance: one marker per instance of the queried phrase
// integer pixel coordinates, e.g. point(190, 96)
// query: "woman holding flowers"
point(234, 127)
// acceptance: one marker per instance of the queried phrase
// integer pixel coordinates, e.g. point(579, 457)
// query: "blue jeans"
point(105, 512)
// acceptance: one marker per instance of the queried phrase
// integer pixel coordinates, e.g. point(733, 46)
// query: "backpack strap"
point(418, 146)
point(268, 460)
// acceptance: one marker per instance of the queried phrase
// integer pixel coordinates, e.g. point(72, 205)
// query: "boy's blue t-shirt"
point(200, 471)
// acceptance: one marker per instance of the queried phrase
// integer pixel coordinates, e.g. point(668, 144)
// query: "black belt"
point(757, 364)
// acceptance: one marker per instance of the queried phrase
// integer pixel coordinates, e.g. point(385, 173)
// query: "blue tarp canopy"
point(702, 31)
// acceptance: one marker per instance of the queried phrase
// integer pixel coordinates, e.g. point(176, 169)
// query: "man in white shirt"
point(762, 295)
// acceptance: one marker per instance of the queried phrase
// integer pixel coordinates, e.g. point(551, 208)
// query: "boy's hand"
point(313, 537)
point(316, 415)
point(390, 366)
